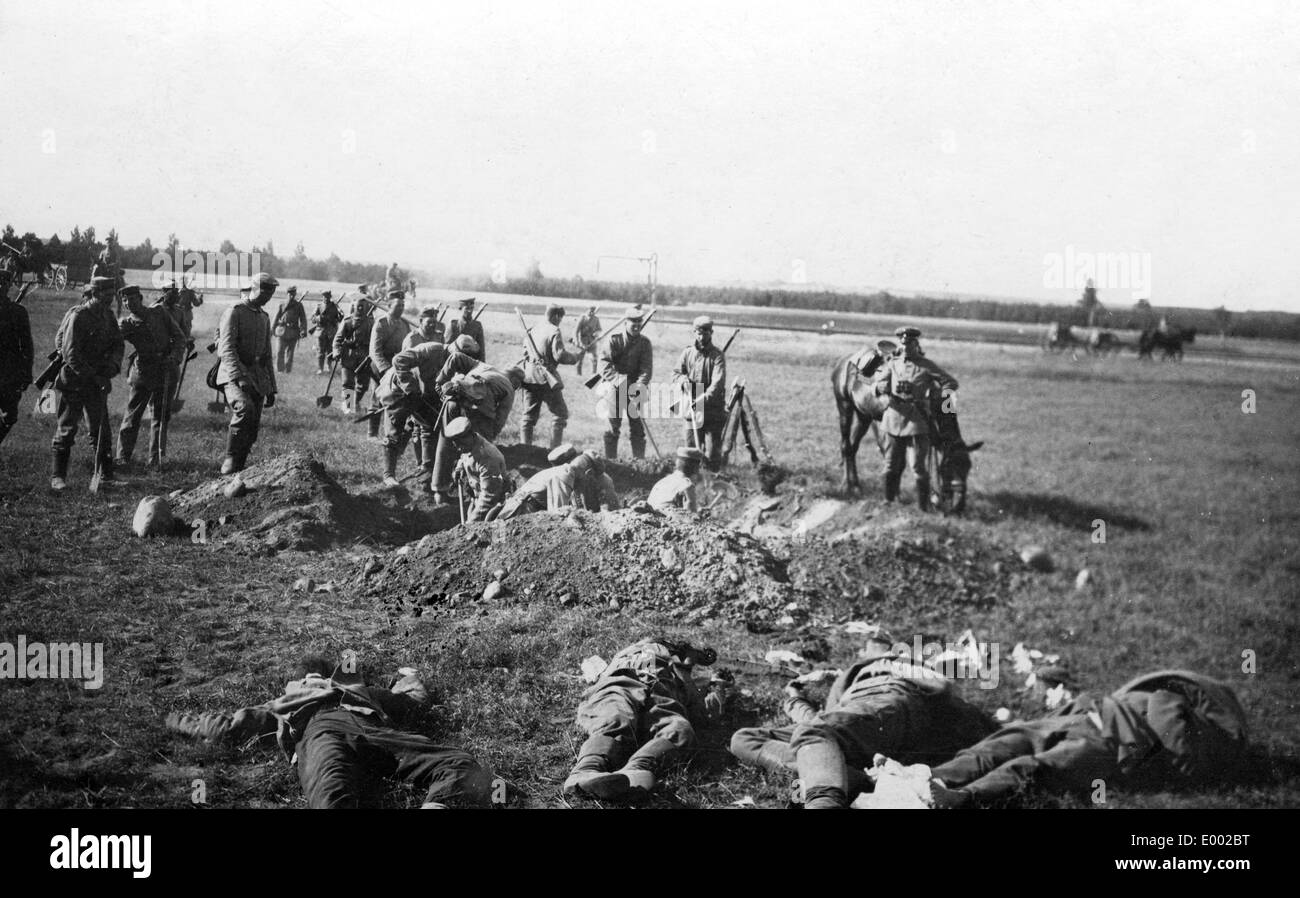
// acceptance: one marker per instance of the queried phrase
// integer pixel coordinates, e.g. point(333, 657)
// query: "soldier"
point(550, 489)
point(409, 390)
point(485, 395)
point(159, 345)
point(585, 336)
point(430, 329)
point(342, 734)
point(701, 375)
point(677, 490)
point(537, 388)
point(246, 373)
point(393, 279)
point(912, 382)
point(92, 348)
point(466, 324)
point(647, 690)
point(352, 349)
point(883, 703)
point(482, 467)
point(180, 305)
point(17, 354)
point(386, 339)
point(626, 364)
point(598, 492)
point(325, 324)
point(289, 327)
point(106, 266)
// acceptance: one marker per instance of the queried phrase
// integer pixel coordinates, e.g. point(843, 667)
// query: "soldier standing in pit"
point(409, 390)
point(482, 468)
point(647, 690)
point(677, 490)
point(386, 339)
point(289, 327)
point(466, 324)
point(912, 382)
point(16, 356)
point(550, 489)
point(92, 348)
point(352, 349)
point(246, 372)
point(550, 343)
point(626, 363)
point(485, 395)
point(325, 324)
point(159, 347)
point(598, 493)
point(585, 335)
point(701, 374)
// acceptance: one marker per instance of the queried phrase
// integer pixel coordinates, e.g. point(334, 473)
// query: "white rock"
point(1002, 715)
point(235, 488)
point(153, 517)
point(492, 590)
point(1083, 578)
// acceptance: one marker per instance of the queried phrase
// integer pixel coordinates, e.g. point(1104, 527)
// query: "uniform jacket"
point(550, 343)
point(707, 370)
point(352, 342)
point(326, 319)
point(244, 348)
point(1199, 722)
point(290, 320)
point(426, 367)
point(17, 354)
point(927, 381)
point(187, 303)
point(417, 337)
point(157, 339)
point(676, 490)
point(484, 467)
point(485, 392)
point(588, 330)
point(552, 487)
point(386, 341)
point(474, 329)
point(92, 347)
point(652, 665)
point(598, 492)
point(627, 355)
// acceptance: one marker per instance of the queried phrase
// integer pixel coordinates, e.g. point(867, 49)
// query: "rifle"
point(591, 382)
point(552, 381)
point(18, 300)
point(46, 377)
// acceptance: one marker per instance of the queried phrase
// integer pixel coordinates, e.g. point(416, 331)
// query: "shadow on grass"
point(1058, 509)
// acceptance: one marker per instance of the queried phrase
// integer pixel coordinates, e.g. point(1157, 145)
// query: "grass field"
point(1200, 569)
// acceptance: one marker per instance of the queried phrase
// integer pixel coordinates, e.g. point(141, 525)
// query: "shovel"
point(324, 402)
point(218, 406)
point(177, 402)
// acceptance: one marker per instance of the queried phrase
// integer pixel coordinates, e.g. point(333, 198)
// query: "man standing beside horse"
point(912, 382)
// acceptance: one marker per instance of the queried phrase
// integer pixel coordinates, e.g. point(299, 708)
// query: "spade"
point(177, 402)
point(326, 400)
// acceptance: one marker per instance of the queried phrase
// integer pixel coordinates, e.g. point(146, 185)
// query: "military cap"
point(597, 463)
point(292, 290)
point(102, 283)
point(131, 290)
point(466, 344)
point(466, 303)
point(636, 313)
point(429, 312)
point(397, 294)
point(363, 288)
point(704, 321)
point(88, 290)
point(327, 294)
point(690, 453)
point(262, 279)
point(456, 427)
point(905, 332)
point(582, 464)
point(552, 308)
point(562, 453)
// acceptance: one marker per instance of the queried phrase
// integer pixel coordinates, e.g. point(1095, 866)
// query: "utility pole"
point(652, 271)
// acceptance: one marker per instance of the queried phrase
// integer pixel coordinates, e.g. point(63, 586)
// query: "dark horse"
point(1170, 341)
point(860, 409)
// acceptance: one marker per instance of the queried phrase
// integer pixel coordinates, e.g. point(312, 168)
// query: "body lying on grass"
point(882, 700)
point(340, 732)
point(641, 711)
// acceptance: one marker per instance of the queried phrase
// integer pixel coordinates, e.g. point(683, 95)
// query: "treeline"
point(1139, 316)
point(83, 246)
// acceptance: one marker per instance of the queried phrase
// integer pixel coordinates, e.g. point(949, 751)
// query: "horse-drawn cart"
point(65, 276)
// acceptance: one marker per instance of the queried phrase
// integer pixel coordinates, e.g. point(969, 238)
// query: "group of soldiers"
point(1162, 729)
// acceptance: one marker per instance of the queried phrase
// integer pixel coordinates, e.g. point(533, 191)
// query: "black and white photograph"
point(566, 405)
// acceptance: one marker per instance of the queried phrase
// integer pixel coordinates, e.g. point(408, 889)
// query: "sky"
point(989, 148)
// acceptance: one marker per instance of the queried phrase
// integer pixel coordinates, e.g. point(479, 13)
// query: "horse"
point(860, 410)
point(1170, 341)
point(1059, 337)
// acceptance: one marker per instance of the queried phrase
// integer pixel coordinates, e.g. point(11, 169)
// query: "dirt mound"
point(292, 502)
point(628, 476)
point(689, 569)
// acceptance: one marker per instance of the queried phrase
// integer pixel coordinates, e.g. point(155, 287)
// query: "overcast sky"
point(915, 145)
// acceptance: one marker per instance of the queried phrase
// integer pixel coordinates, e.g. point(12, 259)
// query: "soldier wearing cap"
point(289, 327)
point(352, 349)
point(626, 364)
point(17, 354)
point(701, 375)
point(912, 382)
point(482, 468)
point(466, 324)
point(430, 329)
point(106, 268)
point(159, 348)
point(884, 703)
point(91, 345)
point(550, 489)
point(386, 338)
point(588, 331)
point(325, 324)
point(246, 373)
point(409, 392)
point(598, 492)
point(485, 395)
point(677, 490)
point(550, 344)
point(180, 304)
